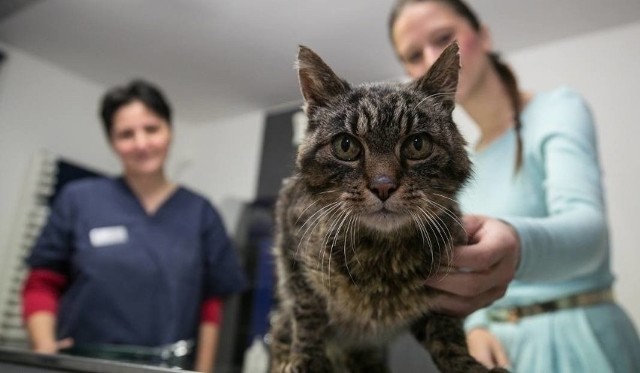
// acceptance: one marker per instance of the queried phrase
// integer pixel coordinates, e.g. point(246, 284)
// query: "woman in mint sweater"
point(537, 188)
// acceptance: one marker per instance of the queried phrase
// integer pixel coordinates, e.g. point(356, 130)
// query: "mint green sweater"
point(555, 202)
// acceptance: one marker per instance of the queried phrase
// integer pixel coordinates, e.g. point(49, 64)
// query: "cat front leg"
point(308, 349)
point(299, 352)
point(299, 329)
point(280, 340)
point(444, 338)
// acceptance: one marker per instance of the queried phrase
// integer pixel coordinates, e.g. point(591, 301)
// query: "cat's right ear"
point(318, 82)
point(442, 78)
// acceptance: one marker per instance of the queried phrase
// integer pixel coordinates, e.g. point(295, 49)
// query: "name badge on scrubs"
point(105, 236)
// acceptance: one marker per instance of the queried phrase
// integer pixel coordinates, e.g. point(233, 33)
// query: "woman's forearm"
point(206, 347)
point(41, 329)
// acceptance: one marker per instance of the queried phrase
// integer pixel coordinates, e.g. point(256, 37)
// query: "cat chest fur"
point(378, 291)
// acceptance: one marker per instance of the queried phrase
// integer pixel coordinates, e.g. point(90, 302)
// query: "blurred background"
point(227, 68)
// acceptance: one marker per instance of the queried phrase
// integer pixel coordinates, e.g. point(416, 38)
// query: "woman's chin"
point(142, 171)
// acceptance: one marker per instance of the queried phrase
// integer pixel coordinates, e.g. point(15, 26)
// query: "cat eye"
point(346, 147)
point(413, 57)
point(417, 147)
point(444, 39)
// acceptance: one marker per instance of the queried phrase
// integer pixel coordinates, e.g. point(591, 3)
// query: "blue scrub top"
point(135, 278)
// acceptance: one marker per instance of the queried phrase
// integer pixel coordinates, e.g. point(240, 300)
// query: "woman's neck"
point(151, 190)
point(490, 107)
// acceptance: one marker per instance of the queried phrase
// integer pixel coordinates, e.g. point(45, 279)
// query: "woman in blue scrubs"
point(538, 187)
point(135, 266)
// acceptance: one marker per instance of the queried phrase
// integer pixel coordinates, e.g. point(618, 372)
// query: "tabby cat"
point(368, 215)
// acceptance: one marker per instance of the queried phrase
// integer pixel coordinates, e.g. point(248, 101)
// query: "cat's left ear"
point(442, 77)
point(318, 82)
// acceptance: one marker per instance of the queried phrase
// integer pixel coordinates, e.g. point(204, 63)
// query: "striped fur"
point(368, 215)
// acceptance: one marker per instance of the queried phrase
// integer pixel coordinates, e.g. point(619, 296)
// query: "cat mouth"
point(385, 219)
point(384, 212)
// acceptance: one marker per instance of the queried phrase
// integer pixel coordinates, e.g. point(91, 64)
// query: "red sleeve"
point(211, 311)
point(41, 291)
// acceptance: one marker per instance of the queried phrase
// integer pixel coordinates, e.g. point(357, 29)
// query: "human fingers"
point(459, 306)
point(499, 354)
point(477, 257)
point(464, 284)
point(472, 223)
point(64, 343)
point(479, 347)
point(495, 242)
point(467, 283)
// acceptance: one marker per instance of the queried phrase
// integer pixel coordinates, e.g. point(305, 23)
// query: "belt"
point(175, 355)
point(514, 314)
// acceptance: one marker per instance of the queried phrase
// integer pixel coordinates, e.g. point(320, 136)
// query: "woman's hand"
point(41, 329)
point(480, 271)
point(487, 349)
point(52, 347)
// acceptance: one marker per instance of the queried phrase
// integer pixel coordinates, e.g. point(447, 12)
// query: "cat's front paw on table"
point(315, 364)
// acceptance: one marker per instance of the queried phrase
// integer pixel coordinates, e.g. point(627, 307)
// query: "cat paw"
point(498, 370)
point(315, 364)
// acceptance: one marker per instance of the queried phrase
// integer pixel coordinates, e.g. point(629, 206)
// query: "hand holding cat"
point(481, 270)
point(487, 349)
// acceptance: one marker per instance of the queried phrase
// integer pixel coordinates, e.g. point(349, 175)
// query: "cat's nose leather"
point(383, 186)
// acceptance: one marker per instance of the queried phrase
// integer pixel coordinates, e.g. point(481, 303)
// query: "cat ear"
point(318, 82)
point(442, 77)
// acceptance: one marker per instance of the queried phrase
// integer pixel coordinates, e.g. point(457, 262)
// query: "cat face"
point(389, 154)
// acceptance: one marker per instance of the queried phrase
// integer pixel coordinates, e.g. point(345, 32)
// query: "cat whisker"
point(353, 238)
point(434, 95)
point(325, 242)
point(320, 211)
point(423, 229)
point(447, 211)
point(329, 191)
point(417, 223)
point(425, 233)
point(314, 220)
point(451, 213)
point(346, 261)
point(448, 241)
point(445, 197)
point(344, 217)
point(327, 233)
point(310, 228)
point(303, 211)
point(432, 226)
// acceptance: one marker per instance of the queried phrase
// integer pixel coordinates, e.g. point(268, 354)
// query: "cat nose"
point(383, 187)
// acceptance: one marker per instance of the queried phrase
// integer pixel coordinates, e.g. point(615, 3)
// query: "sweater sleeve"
point(572, 239)
point(41, 292)
point(477, 319)
point(211, 311)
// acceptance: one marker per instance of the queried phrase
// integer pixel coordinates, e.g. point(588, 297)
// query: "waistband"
point(514, 314)
point(174, 355)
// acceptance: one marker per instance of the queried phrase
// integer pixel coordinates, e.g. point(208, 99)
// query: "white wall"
point(604, 67)
point(43, 107)
point(222, 160)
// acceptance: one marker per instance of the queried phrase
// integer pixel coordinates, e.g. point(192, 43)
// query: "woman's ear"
point(486, 39)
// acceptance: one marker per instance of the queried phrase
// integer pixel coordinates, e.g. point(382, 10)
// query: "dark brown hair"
point(136, 90)
point(507, 76)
